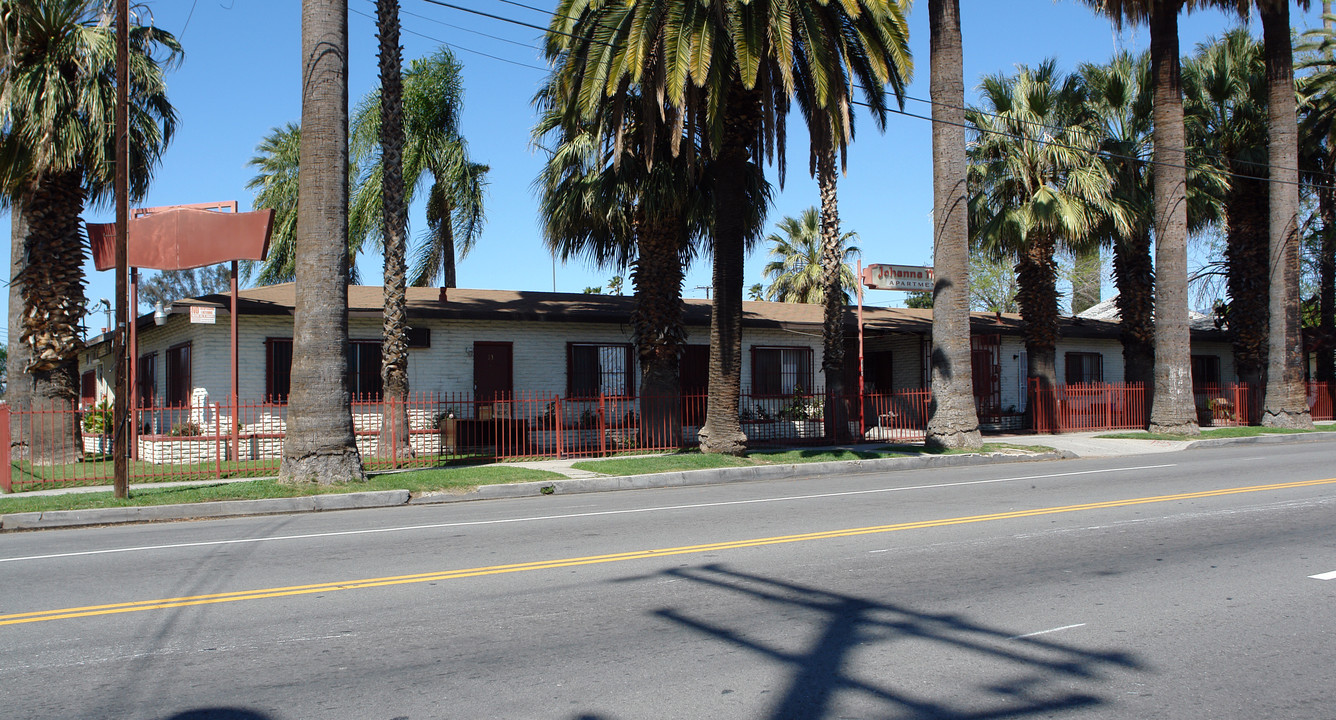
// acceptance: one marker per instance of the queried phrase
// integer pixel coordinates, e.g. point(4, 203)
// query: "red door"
point(986, 361)
point(492, 372)
point(694, 373)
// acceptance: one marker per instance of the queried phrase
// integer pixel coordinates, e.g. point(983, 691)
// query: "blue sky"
point(241, 77)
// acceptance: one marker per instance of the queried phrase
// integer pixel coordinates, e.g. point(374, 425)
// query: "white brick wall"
point(539, 352)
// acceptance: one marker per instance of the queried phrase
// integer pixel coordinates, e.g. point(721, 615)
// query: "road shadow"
point(1008, 676)
point(219, 713)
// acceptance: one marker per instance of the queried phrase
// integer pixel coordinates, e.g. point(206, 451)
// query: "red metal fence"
point(1087, 406)
point(1322, 400)
point(64, 445)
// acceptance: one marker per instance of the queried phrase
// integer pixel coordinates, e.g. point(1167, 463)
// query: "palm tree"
point(954, 422)
point(797, 271)
point(434, 151)
point(57, 149)
point(1040, 187)
point(729, 69)
point(1119, 93)
point(1225, 107)
point(1317, 133)
point(607, 204)
point(394, 440)
point(1172, 406)
point(319, 446)
point(277, 163)
point(1285, 403)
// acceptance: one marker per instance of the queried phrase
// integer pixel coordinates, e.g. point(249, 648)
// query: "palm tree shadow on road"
point(1032, 675)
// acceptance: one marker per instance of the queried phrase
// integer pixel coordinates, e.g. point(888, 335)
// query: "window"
point(364, 369)
point(1205, 371)
point(178, 376)
point(277, 369)
point(419, 337)
point(1084, 367)
point(781, 371)
point(593, 370)
point(878, 372)
point(146, 379)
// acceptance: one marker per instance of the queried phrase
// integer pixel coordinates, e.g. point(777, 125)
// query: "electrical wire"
point(1054, 143)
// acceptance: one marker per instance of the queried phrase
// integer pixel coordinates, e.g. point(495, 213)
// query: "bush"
point(97, 421)
point(185, 429)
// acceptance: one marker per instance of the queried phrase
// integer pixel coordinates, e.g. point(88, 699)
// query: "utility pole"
point(121, 423)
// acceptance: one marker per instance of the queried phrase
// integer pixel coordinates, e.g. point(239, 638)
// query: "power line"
point(455, 46)
point(1054, 143)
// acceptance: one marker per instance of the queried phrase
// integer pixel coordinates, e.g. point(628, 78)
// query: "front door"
point(492, 376)
point(986, 360)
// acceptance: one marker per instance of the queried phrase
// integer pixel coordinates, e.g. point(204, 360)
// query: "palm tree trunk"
point(658, 331)
point(1135, 276)
point(1285, 404)
point(18, 383)
point(1246, 218)
point(52, 286)
point(832, 272)
point(1172, 409)
point(1326, 271)
point(1037, 295)
point(954, 422)
point(722, 431)
point(447, 241)
point(394, 437)
point(320, 445)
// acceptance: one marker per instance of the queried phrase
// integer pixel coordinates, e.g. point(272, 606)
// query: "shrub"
point(97, 421)
point(185, 429)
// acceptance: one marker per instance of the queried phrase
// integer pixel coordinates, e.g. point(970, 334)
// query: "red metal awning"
point(185, 238)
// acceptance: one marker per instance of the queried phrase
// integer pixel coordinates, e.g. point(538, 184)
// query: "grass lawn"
point(436, 479)
point(696, 460)
point(1224, 432)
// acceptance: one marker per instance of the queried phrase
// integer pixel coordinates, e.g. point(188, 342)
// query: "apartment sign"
point(203, 315)
point(910, 278)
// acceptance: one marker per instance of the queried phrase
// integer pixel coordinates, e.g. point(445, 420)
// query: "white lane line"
point(1045, 632)
point(1325, 576)
point(537, 518)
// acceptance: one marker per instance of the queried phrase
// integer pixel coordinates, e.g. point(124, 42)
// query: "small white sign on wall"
point(203, 315)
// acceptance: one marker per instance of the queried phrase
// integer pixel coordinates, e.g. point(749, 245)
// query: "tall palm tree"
point(435, 155)
point(57, 150)
point(1172, 406)
point(1225, 108)
point(394, 440)
point(1040, 188)
point(797, 272)
point(730, 68)
point(627, 205)
point(319, 446)
point(1119, 93)
point(954, 422)
point(1285, 403)
point(1317, 133)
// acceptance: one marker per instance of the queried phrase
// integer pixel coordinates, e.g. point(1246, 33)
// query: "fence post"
point(602, 428)
point(556, 403)
point(6, 479)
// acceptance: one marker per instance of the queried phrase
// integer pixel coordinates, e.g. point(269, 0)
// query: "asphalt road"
point(1164, 586)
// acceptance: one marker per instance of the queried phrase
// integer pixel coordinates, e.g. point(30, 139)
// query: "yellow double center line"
point(161, 604)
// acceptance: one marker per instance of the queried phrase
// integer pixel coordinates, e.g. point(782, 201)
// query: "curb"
point(568, 486)
point(1280, 438)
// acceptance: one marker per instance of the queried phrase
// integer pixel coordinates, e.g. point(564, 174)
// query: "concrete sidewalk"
point(1065, 446)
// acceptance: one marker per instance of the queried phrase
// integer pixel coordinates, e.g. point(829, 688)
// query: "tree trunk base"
point(322, 468)
point(733, 442)
point(1288, 419)
point(952, 439)
point(1189, 428)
